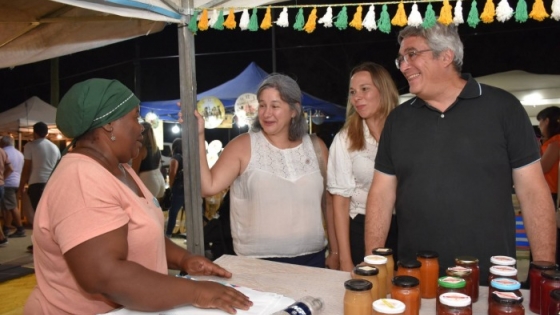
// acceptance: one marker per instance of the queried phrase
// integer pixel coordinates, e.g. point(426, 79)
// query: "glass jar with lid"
point(357, 297)
point(503, 261)
point(498, 271)
point(429, 273)
point(370, 274)
point(388, 307)
point(387, 253)
point(379, 262)
point(406, 289)
point(506, 303)
point(550, 281)
point(449, 284)
point(504, 285)
point(554, 306)
point(409, 267)
point(535, 278)
point(472, 264)
point(455, 304)
point(463, 273)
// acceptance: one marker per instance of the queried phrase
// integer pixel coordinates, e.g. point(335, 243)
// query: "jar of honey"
point(455, 304)
point(380, 263)
point(388, 307)
point(506, 303)
point(357, 297)
point(370, 274)
point(535, 278)
point(429, 273)
point(409, 267)
point(387, 253)
point(550, 281)
point(449, 284)
point(465, 274)
point(472, 264)
point(406, 289)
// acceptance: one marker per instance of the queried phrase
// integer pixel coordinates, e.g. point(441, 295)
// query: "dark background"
point(320, 61)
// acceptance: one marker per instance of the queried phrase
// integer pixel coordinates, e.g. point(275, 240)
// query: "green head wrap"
point(91, 104)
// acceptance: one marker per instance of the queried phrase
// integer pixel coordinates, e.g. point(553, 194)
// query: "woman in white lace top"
point(372, 95)
point(276, 183)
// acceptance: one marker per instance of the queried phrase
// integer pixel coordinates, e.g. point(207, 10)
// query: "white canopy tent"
point(20, 119)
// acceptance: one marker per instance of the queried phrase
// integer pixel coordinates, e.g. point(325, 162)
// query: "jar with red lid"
point(410, 267)
point(463, 273)
point(504, 285)
point(535, 278)
point(472, 264)
point(506, 303)
point(455, 304)
point(449, 284)
point(379, 262)
point(387, 253)
point(554, 306)
point(429, 273)
point(550, 281)
point(357, 297)
point(503, 261)
point(406, 289)
point(370, 274)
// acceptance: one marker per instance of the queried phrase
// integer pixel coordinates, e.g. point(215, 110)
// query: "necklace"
point(122, 169)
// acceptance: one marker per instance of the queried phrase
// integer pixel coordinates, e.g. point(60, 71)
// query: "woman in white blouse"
point(372, 95)
point(276, 183)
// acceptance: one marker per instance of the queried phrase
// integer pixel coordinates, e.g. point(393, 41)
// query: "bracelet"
point(334, 253)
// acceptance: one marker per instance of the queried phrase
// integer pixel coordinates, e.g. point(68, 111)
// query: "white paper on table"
point(264, 303)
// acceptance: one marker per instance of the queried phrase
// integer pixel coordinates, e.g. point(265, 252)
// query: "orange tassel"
point(230, 21)
point(538, 12)
point(489, 12)
point(203, 22)
point(445, 16)
point(267, 20)
point(311, 21)
point(357, 19)
point(400, 18)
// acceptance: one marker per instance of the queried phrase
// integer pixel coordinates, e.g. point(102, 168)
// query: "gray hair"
point(439, 38)
point(290, 93)
point(6, 141)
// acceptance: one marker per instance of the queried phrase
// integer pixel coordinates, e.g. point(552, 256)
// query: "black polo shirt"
point(454, 173)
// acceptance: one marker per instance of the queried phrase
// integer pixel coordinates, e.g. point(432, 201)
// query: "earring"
point(113, 138)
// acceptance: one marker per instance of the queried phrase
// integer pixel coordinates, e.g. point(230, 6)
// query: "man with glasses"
point(447, 160)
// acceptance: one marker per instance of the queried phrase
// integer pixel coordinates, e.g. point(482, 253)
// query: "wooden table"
point(298, 281)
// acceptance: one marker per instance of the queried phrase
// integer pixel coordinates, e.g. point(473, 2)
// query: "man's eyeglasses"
point(408, 56)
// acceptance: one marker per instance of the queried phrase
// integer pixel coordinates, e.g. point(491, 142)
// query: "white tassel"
point(214, 18)
point(244, 21)
point(503, 12)
point(458, 18)
point(555, 10)
point(326, 20)
point(415, 18)
point(283, 18)
point(369, 21)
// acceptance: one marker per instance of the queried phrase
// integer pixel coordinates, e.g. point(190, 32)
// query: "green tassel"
point(219, 25)
point(342, 19)
point(430, 17)
point(473, 19)
point(521, 14)
point(253, 22)
point(300, 20)
point(193, 24)
point(384, 22)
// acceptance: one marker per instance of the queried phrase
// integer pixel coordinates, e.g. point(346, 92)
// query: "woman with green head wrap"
point(98, 231)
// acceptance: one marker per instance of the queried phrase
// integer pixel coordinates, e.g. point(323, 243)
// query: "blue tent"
point(246, 82)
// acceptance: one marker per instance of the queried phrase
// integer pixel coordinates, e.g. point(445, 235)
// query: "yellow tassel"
point(400, 18)
point(487, 16)
point(267, 21)
point(538, 12)
point(311, 21)
point(357, 20)
point(230, 21)
point(203, 22)
point(445, 16)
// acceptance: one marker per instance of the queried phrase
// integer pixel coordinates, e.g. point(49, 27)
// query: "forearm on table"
point(175, 255)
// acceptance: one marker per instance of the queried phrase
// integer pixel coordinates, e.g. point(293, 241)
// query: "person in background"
point(176, 179)
point(9, 203)
point(549, 125)
point(447, 160)
point(5, 171)
point(147, 164)
point(372, 96)
point(99, 231)
point(40, 158)
point(276, 182)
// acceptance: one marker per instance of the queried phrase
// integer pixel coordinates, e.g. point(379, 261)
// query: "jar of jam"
point(449, 284)
point(503, 261)
point(465, 274)
point(502, 272)
point(506, 303)
point(455, 304)
point(504, 285)
point(550, 281)
point(535, 278)
point(388, 306)
point(409, 268)
point(554, 306)
point(429, 273)
point(406, 289)
point(387, 253)
point(472, 264)
point(357, 297)
point(380, 263)
point(370, 274)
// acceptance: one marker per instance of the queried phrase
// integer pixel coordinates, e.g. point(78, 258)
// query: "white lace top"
point(276, 202)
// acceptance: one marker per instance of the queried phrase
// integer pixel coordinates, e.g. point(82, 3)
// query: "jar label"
point(298, 309)
point(507, 295)
point(452, 280)
point(459, 268)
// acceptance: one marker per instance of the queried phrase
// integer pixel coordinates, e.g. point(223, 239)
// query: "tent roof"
point(22, 117)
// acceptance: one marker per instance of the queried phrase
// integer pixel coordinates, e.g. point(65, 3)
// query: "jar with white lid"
point(388, 306)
